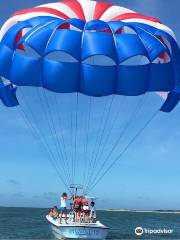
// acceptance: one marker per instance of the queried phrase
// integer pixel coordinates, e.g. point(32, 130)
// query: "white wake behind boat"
point(78, 230)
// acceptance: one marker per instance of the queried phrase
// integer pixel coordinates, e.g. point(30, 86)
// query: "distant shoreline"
point(114, 210)
point(141, 211)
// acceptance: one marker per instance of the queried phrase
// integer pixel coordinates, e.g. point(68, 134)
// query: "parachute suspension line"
point(86, 142)
point(89, 165)
point(104, 125)
point(62, 136)
point(75, 139)
point(37, 134)
point(71, 137)
point(48, 120)
point(129, 122)
point(54, 133)
point(125, 149)
point(82, 129)
point(115, 119)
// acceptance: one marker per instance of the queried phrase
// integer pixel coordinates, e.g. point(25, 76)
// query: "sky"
point(146, 177)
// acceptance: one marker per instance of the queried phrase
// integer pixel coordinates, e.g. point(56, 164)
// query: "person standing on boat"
point(77, 208)
point(63, 208)
point(92, 211)
point(85, 209)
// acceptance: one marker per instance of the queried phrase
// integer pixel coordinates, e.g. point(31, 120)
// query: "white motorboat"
point(73, 230)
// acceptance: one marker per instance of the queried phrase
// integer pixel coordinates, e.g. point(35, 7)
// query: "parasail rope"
point(96, 153)
point(75, 139)
point(71, 138)
point(124, 150)
point(115, 119)
point(86, 142)
point(54, 133)
point(134, 113)
point(89, 166)
point(44, 144)
point(62, 136)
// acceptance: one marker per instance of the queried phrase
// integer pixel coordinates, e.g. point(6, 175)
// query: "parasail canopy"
point(76, 47)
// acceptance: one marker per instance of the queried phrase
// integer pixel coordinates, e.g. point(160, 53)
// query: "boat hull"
point(86, 231)
point(75, 232)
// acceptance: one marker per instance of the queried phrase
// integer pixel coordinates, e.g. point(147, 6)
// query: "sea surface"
point(30, 223)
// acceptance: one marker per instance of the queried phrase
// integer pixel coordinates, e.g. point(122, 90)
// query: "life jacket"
point(77, 202)
point(84, 202)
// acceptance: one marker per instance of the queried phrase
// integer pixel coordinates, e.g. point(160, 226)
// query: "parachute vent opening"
point(102, 30)
point(60, 56)
point(100, 60)
point(5, 81)
point(64, 26)
point(166, 42)
point(28, 51)
point(68, 26)
point(19, 36)
point(126, 30)
point(162, 58)
point(136, 61)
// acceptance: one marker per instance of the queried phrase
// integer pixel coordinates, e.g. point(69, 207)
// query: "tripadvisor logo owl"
point(139, 231)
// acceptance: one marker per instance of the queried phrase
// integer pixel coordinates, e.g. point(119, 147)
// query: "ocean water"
point(30, 223)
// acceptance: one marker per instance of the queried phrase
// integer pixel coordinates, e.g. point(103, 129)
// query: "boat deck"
point(76, 224)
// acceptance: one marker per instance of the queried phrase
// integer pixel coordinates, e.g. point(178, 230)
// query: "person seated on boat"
point(63, 208)
point(55, 212)
point(51, 212)
point(85, 209)
point(77, 208)
point(92, 211)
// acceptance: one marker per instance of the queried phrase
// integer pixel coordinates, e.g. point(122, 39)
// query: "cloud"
point(18, 195)
point(46, 195)
point(50, 195)
point(14, 182)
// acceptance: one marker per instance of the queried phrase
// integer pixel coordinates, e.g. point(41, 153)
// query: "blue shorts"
point(62, 209)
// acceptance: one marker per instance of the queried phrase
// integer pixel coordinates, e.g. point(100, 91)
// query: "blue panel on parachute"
point(161, 77)
point(26, 71)
point(8, 95)
point(97, 80)
point(132, 80)
point(172, 100)
point(97, 25)
point(153, 45)
point(38, 39)
point(67, 41)
point(116, 25)
point(129, 45)
point(9, 39)
point(61, 77)
point(96, 43)
point(6, 55)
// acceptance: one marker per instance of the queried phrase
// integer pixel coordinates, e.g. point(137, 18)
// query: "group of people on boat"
point(81, 210)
